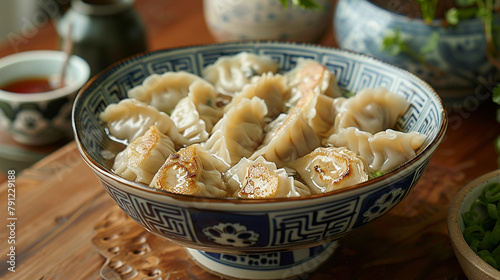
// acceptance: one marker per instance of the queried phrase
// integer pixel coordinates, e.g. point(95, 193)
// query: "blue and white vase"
point(455, 66)
point(232, 20)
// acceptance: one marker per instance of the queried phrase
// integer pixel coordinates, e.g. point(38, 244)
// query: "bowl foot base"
point(271, 265)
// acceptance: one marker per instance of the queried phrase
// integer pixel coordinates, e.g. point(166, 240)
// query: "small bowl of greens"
point(474, 227)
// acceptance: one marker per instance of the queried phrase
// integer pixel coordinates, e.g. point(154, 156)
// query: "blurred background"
point(11, 14)
point(27, 25)
point(17, 16)
point(23, 23)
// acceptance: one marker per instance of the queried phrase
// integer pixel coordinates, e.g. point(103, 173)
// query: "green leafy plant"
point(394, 43)
point(304, 4)
point(464, 9)
point(428, 9)
point(484, 10)
point(496, 99)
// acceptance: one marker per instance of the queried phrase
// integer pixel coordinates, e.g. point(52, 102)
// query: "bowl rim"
point(453, 224)
point(47, 55)
point(428, 149)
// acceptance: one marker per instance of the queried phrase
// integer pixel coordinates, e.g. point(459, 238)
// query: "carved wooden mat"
point(134, 253)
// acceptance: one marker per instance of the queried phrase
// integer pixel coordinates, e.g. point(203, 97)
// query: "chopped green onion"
point(495, 233)
point(486, 242)
point(474, 244)
point(486, 256)
point(376, 175)
point(492, 192)
point(473, 232)
point(471, 218)
point(492, 210)
point(482, 225)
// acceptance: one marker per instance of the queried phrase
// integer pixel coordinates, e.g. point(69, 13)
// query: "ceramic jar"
point(452, 67)
point(231, 20)
point(103, 32)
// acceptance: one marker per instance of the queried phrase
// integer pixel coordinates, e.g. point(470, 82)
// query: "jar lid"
point(101, 7)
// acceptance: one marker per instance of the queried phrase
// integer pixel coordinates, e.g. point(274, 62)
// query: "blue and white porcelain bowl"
point(258, 239)
point(232, 20)
point(456, 67)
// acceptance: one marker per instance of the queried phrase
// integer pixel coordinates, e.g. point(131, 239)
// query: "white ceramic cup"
point(39, 118)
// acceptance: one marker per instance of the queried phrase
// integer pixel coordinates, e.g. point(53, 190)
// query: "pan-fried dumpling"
point(382, 151)
point(144, 156)
point(239, 132)
point(205, 98)
point(196, 113)
point(272, 88)
point(129, 119)
point(318, 93)
point(188, 120)
point(328, 169)
point(257, 179)
point(165, 90)
point(321, 112)
point(292, 137)
point(371, 110)
point(192, 171)
point(230, 73)
point(325, 112)
point(272, 127)
point(324, 81)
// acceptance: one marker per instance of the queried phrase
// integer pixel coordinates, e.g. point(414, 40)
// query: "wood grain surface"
point(59, 203)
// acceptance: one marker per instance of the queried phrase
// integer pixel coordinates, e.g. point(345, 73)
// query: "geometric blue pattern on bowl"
point(257, 225)
point(275, 265)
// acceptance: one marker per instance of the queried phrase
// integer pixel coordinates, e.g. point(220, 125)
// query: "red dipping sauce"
point(30, 85)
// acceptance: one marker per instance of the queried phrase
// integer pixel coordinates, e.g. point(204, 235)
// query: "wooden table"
point(58, 201)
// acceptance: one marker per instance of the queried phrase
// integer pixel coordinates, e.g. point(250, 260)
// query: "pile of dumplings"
point(244, 130)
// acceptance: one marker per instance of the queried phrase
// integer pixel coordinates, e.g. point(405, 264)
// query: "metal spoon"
point(68, 49)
